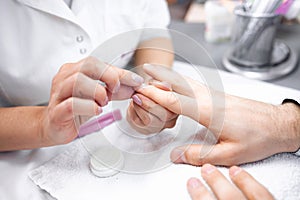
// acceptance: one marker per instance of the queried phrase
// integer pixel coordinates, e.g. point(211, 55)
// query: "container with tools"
point(255, 51)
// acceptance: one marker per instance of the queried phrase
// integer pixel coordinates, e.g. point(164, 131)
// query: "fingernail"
point(194, 183)
point(233, 171)
point(178, 157)
point(117, 87)
point(99, 110)
point(138, 79)
point(137, 100)
point(208, 168)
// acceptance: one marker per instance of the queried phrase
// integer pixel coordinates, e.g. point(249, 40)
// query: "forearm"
point(157, 51)
point(20, 128)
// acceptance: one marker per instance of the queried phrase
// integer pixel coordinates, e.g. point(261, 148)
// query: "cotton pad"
point(106, 162)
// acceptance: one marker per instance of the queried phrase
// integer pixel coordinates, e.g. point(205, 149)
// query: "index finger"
point(99, 70)
point(220, 186)
point(129, 78)
point(172, 101)
point(248, 185)
point(179, 83)
point(112, 76)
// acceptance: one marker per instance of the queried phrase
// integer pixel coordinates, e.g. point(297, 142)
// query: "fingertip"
point(207, 169)
point(137, 79)
point(234, 171)
point(193, 183)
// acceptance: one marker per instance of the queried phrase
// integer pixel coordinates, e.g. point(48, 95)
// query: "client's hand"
point(146, 116)
point(245, 186)
point(245, 130)
point(76, 93)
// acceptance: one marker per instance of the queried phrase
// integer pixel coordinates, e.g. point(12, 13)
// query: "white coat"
point(38, 36)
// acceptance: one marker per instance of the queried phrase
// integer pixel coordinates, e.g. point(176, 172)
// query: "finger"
point(125, 92)
point(163, 85)
point(81, 86)
point(129, 78)
point(142, 114)
point(98, 70)
point(197, 190)
point(178, 82)
point(67, 70)
point(135, 120)
point(173, 101)
point(248, 185)
point(149, 120)
point(220, 186)
point(153, 124)
point(198, 154)
point(71, 107)
point(150, 106)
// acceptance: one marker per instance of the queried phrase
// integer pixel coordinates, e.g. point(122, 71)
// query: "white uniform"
point(38, 36)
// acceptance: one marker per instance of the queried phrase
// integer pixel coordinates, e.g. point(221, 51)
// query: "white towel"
point(68, 177)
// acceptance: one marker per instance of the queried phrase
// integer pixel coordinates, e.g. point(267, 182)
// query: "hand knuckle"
point(68, 105)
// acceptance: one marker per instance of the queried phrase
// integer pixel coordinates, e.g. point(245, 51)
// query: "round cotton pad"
point(106, 162)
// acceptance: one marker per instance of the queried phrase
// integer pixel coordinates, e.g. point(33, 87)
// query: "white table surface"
point(14, 166)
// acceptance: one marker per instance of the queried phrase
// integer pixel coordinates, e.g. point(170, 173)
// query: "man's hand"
point(247, 130)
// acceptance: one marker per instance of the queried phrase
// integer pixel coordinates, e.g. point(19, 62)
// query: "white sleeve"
point(156, 14)
point(156, 19)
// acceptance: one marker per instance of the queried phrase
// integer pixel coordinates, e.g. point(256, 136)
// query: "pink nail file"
point(99, 123)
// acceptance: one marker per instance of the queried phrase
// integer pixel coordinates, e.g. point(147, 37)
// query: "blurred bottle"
point(218, 22)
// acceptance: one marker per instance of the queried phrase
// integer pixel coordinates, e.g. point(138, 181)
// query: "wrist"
point(290, 126)
point(42, 127)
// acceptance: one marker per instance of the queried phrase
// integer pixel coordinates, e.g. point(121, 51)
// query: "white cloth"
point(38, 37)
point(68, 2)
point(67, 176)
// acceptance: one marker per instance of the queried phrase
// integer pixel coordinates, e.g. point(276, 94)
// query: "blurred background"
point(212, 23)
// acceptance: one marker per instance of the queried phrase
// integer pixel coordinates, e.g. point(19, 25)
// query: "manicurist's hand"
point(244, 130)
point(76, 92)
point(244, 185)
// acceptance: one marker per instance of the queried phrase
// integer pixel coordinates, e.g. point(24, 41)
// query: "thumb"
point(198, 154)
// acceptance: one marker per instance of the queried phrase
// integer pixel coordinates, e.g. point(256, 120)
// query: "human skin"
point(244, 186)
point(144, 114)
point(249, 131)
point(75, 95)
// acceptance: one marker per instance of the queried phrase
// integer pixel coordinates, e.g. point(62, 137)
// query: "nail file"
point(106, 162)
point(99, 123)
